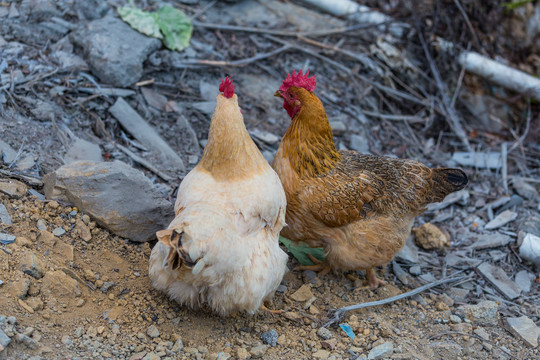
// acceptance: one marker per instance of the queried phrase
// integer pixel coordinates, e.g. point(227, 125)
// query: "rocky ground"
point(76, 85)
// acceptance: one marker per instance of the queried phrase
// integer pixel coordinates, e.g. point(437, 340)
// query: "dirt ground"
point(70, 289)
point(73, 316)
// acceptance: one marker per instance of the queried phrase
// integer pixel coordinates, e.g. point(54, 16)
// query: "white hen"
point(222, 248)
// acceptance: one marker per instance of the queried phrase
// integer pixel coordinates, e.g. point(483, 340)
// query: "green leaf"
point(176, 26)
point(515, 4)
point(142, 21)
point(300, 251)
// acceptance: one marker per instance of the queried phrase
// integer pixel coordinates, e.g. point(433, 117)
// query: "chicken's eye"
point(291, 96)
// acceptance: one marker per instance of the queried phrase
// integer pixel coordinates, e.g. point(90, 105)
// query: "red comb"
point(299, 80)
point(227, 87)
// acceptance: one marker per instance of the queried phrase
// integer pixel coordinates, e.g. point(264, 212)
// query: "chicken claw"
point(373, 281)
point(275, 312)
point(321, 267)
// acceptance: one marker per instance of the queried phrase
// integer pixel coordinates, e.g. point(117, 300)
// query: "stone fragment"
point(270, 337)
point(114, 51)
point(382, 351)
point(258, 352)
point(302, 294)
point(32, 265)
point(523, 280)
point(4, 215)
point(13, 188)
point(152, 331)
point(524, 328)
point(502, 219)
point(490, 241)
point(498, 278)
point(324, 333)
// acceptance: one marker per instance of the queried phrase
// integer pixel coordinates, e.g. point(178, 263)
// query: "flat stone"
point(64, 250)
point(83, 150)
point(321, 354)
point(58, 231)
point(83, 230)
point(490, 241)
point(58, 284)
point(265, 136)
point(382, 351)
point(480, 331)
point(114, 51)
point(524, 328)
point(498, 278)
point(502, 219)
point(7, 238)
point(523, 280)
point(4, 215)
point(26, 163)
point(7, 154)
point(302, 294)
point(32, 265)
point(13, 188)
point(485, 313)
point(105, 192)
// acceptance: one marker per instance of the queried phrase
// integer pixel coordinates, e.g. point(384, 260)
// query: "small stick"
point(474, 336)
point(340, 312)
point(504, 170)
point(241, 62)
point(144, 163)
point(467, 21)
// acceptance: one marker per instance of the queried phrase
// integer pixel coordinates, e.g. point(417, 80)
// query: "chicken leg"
point(373, 281)
point(321, 267)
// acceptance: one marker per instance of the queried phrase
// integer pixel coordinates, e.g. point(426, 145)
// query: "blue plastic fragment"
point(348, 330)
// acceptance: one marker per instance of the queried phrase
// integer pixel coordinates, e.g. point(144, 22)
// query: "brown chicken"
point(359, 208)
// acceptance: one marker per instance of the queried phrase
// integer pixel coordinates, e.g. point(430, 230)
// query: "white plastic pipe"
point(501, 74)
point(359, 13)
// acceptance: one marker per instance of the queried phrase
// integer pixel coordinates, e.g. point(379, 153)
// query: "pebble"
point(58, 231)
point(415, 270)
point(324, 333)
point(66, 340)
point(258, 351)
point(382, 351)
point(152, 331)
point(302, 294)
point(41, 225)
point(106, 286)
point(178, 346)
point(151, 356)
point(455, 319)
point(282, 289)
point(498, 278)
point(429, 236)
point(270, 337)
point(242, 353)
point(480, 331)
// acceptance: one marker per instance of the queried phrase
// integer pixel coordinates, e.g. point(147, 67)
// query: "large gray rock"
point(114, 51)
point(117, 196)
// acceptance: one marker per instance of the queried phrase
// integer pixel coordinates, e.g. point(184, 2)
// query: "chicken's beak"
point(278, 94)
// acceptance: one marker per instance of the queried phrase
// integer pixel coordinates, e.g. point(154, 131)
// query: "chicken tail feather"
point(446, 181)
point(177, 254)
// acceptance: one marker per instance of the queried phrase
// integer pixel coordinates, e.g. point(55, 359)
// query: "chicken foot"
point(373, 281)
point(275, 312)
point(321, 267)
